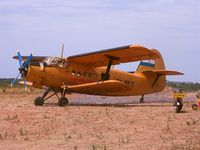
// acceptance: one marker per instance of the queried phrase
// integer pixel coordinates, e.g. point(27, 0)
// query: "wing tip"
point(175, 73)
point(165, 72)
point(180, 73)
point(137, 46)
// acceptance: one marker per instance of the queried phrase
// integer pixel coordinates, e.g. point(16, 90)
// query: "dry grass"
point(153, 125)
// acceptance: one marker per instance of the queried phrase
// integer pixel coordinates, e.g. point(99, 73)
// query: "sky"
point(42, 26)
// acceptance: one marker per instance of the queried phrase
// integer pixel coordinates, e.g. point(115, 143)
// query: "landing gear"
point(62, 100)
point(39, 101)
point(142, 99)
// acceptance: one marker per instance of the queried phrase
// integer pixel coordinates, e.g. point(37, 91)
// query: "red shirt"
point(199, 102)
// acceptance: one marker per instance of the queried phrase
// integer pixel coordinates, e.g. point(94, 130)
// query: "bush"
point(186, 86)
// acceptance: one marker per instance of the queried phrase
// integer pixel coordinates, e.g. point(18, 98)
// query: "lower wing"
point(100, 88)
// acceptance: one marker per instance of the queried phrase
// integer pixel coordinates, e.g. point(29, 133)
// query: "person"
point(198, 96)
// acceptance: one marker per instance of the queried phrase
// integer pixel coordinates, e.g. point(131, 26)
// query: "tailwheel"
point(63, 101)
point(39, 101)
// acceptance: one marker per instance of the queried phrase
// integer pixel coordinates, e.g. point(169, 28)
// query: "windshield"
point(51, 60)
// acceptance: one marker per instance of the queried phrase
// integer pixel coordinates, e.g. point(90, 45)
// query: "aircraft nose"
point(23, 69)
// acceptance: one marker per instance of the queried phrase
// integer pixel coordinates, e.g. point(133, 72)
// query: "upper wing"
point(165, 72)
point(121, 54)
point(34, 58)
point(100, 88)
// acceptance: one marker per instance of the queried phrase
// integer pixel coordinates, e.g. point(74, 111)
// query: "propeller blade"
point(27, 61)
point(22, 69)
point(14, 81)
point(20, 59)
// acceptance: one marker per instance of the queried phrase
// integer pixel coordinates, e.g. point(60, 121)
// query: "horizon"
point(41, 27)
point(166, 81)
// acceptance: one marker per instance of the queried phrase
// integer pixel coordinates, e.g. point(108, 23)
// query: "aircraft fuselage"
point(74, 74)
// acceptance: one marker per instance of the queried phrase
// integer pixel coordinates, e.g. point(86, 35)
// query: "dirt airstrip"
point(152, 125)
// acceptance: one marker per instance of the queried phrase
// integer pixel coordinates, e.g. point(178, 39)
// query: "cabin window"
point(73, 72)
point(78, 73)
point(54, 61)
point(51, 60)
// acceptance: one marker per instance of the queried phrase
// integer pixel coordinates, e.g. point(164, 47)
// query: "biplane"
point(93, 73)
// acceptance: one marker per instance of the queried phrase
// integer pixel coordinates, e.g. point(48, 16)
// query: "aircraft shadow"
point(111, 105)
point(183, 112)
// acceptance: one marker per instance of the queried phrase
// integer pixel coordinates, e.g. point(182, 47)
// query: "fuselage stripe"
point(146, 64)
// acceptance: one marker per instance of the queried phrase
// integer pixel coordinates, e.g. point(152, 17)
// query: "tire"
point(178, 107)
point(62, 102)
point(194, 106)
point(39, 101)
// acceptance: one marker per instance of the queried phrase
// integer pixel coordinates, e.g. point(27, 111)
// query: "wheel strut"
point(142, 99)
point(39, 101)
point(46, 93)
point(62, 100)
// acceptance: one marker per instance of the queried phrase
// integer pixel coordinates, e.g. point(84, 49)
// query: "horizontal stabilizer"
point(164, 72)
point(100, 88)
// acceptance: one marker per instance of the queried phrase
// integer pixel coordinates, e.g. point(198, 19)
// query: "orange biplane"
point(92, 73)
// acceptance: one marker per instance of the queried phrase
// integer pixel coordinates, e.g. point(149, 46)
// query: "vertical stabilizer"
point(154, 64)
point(156, 80)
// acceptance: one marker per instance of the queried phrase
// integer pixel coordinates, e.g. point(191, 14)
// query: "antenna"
point(62, 50)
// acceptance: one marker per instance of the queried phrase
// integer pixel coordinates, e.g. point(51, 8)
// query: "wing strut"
point(157, 77)
point(110, 62)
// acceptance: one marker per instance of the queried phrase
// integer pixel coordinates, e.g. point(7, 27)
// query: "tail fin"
point(154, 72)
point(150, 65)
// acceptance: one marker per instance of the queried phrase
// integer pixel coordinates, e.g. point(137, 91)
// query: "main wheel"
point(62, 102)
point(194, 106)
point(39, 101)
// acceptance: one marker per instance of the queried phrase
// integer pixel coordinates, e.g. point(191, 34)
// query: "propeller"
point(23, 68)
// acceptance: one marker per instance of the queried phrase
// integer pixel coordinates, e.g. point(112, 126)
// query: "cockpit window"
point(51, 60)
point(54, 61)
